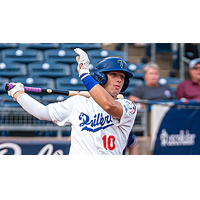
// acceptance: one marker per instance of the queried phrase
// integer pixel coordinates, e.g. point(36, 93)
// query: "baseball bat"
point(52, 91)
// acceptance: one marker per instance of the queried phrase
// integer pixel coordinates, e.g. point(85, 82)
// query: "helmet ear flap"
point(100, 77)
point(105, 78)
point(126, 82)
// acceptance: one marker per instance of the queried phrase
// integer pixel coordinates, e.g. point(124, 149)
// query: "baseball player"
point(100, 124)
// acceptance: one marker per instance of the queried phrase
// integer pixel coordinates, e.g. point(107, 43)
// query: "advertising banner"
point(30, 147)
point(176, 129)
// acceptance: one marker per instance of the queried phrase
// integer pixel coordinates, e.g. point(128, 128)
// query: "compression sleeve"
point(33, 107)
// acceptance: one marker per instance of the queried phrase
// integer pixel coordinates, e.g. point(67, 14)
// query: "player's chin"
point(115, 93)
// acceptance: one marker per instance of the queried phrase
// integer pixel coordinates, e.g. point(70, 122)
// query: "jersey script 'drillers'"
point(94, 131)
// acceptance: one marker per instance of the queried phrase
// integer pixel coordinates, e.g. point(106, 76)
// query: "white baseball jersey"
point(94, 131)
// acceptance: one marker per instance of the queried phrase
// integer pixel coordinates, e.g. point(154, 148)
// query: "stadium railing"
point(16, 121)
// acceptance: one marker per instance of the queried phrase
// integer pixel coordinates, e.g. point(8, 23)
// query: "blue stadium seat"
point(107, 53)
point(51, 98)
point(133, 67)
point(8, 46)
point(35, 82)
point(11, 70)
point(171, 81)
point(60, 56)
point(84, 46)
point(95, 61)
point(74, 70)
point(22, 56)
point(43, 69)
point(3, 82)
point(69, 84)
point(137, 70)
point(39, 46)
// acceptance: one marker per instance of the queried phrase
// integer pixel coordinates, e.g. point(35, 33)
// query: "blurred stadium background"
point(53, 65)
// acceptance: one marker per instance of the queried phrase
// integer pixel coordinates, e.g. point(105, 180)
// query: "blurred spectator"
point(190, 89)
point(152, 89)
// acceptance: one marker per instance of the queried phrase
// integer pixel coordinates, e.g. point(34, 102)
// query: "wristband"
point(88, 81)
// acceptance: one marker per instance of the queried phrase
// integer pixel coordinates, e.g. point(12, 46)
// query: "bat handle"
point(29, 89)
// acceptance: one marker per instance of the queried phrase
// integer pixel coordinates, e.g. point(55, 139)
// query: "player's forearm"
point(106, 101)
point(102, 97)
point(32, 106)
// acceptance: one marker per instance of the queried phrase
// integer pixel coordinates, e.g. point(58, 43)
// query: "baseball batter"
point(100, 124)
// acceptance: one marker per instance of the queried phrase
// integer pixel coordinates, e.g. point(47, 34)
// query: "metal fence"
point(17, 120)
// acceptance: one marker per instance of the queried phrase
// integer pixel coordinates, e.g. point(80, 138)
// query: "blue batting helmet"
point(111, 64)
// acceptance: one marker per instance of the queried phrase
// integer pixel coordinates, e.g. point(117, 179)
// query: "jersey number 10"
point(110, 142)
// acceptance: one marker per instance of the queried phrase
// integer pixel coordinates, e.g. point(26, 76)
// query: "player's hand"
point(83, 61)
point(17, 87)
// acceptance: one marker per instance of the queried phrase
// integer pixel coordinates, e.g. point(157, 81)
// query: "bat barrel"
point(50, 91)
